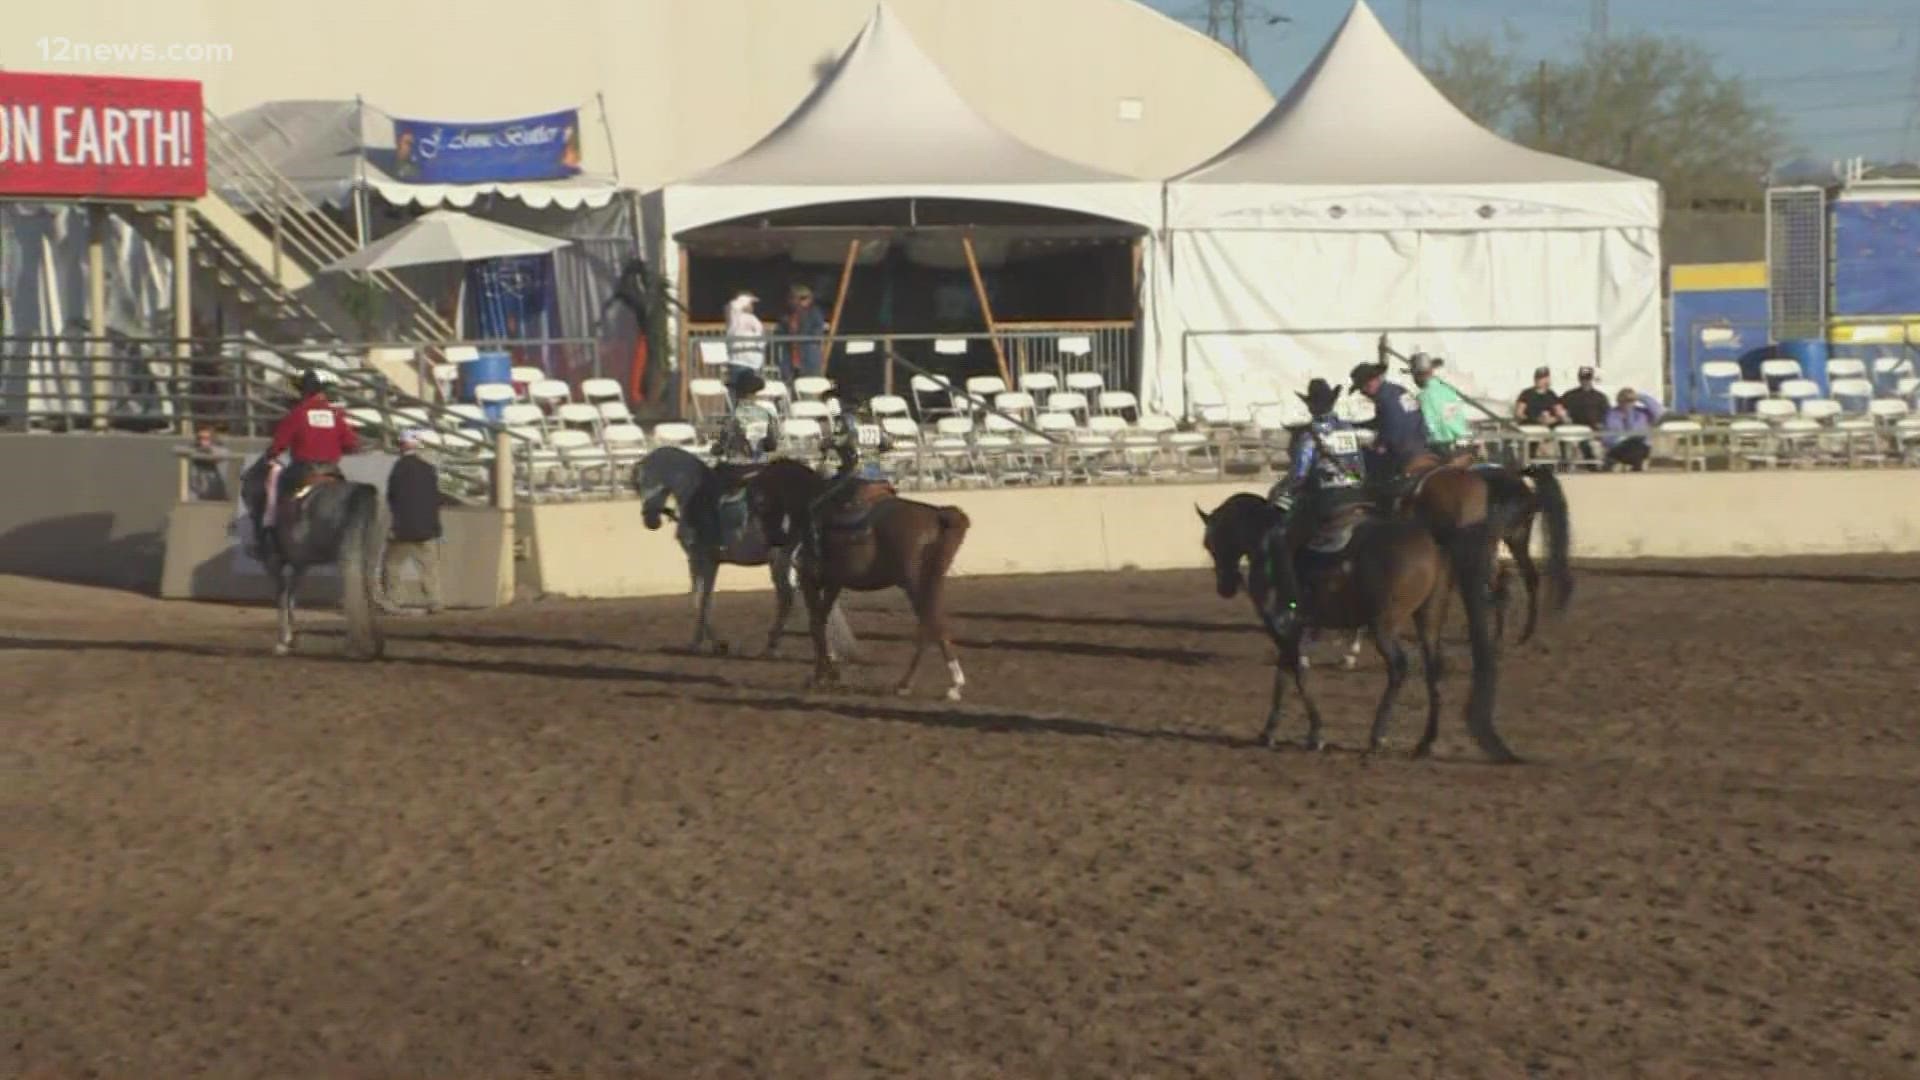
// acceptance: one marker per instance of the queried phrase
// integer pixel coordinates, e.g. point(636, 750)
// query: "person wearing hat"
point(1325, 471)
point(736, 443)
point(413, 503)
point(314, 435)
point(1588, 405)
point(1538, 404)
point(746, 335)
point(1400, 433)
point(1627, 426)
point(1441, 406)
point(803, 322)
point(846, 445)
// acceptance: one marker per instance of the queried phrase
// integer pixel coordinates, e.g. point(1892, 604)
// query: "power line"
point(1597, 19)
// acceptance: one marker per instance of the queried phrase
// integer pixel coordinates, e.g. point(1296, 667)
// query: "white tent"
point(886, 124)
point(1365, 201)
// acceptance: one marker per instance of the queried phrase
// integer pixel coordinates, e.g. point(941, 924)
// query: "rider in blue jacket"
point(1400, 432)
point(1325, 472)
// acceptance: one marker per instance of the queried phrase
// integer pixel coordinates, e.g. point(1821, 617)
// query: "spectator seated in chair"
point(1538, 404)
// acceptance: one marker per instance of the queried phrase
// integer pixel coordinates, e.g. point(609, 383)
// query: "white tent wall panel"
point(1255, 315)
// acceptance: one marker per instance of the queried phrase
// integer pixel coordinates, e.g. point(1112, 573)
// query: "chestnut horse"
point(881, 542)
point(1389, 577)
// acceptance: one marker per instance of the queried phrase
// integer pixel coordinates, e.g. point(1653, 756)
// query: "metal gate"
point(1797, 262)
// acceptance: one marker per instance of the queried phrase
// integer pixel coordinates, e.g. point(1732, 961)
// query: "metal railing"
point(300, 229)
point(1221, 367)
point(1060, 349)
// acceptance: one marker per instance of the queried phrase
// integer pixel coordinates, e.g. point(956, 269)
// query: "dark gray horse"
point(714, 529)
point(334, 522)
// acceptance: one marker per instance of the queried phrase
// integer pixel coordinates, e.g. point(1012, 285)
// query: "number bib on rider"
point(320, 418)
point(1342, 442)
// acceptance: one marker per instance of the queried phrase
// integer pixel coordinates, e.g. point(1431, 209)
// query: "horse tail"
point(1553, 506)
point(953, 524)
point(1473, 575)
point(359, 557)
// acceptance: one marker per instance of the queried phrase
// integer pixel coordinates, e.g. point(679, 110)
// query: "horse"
point(1389, 575)
point(1524, 496)
point(714, 528)
point(329, 520)
point(1456, 494)
point(881, 542)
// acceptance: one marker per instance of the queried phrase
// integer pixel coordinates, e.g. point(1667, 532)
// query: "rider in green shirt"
point(1441, 406)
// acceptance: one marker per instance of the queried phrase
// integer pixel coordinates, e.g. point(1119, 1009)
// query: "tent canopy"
point(887, 124)
point(324, 147)
point(1365, 140)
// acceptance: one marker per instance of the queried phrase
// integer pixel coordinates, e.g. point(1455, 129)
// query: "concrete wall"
point(603, 550)
point(687, 83)
point(476, 564)
point(86, 508)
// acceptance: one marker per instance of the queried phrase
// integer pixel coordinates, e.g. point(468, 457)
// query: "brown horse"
point(1389, 577)
point(1457, 494)
point(880, 542)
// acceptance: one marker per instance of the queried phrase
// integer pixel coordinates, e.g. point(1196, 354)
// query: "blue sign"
point(1876, 258)
point(534, 148)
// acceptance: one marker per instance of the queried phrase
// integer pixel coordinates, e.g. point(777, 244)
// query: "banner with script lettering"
point(87, 136)
point(534, 148)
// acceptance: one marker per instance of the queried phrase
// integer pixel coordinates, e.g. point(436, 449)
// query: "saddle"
point(1336, 529)
point(855, 509)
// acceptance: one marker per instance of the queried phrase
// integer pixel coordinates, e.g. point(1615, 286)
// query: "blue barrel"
point(491, 366)
point(1812, 354)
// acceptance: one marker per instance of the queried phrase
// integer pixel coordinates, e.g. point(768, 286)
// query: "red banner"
point(86, 136)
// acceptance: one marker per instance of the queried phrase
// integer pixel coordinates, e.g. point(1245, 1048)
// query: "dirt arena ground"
point(538, 842)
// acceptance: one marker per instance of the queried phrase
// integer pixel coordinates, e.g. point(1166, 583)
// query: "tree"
point(1645, 104)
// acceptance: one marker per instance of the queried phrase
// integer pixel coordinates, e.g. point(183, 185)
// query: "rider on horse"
point(736, 444)
point(1400, 434)
point(316, 435)
point(1325, 474)
point(845, 444)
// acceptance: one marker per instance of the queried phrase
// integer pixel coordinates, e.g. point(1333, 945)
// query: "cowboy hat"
point(1320, 397)
point(1364, 373)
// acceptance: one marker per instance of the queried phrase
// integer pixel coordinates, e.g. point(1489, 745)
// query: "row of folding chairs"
point(956, 451)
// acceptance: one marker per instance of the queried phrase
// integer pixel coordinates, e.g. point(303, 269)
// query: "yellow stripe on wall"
point(1718, 277)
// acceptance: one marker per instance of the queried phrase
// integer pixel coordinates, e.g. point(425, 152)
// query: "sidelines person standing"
point(413, 498)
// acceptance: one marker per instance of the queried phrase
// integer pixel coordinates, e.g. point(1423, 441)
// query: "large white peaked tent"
point(1365, 201)
point(886, 124)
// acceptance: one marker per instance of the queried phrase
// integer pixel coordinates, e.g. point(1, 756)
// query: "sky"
point(1843, 74)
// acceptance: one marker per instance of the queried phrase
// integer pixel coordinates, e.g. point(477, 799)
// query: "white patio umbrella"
point(446, 236)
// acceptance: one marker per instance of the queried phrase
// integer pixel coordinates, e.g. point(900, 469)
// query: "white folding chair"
point(615, 412)
point(1779, 368)
point(575, 416)
point(1745, 394)
point(1845, 367)
point(1717, 377)
point(675, 433)
point(550, 394)
point(364, 418)
point(1076, 351)
point(553, 470)
point(1683, 438)
point(1101, 441)
point(1798, 389)
point(1038, 384)
point(626, 446)
point(903, 460)
point(999, 450)
point(1071, 402)
point(524, 379)
point(890, 406)
point(1088, 384)
point(446, 380)
point(986, 387)
point(1118, 403)
point(1017, 403)
point(710, 399)
point(464, 416)
point(807, 426)
point(950, 346)
point(952, 450)
point(601, 391)
point(522, 414)
point(713, 354)
point(811, 387)
point(1854, 394)
point(932, 396)
point(776, 396)
point(1146, 446)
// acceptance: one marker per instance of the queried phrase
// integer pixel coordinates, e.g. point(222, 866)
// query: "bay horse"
point(1389, 577)
point(881, 542)
point(1458, 494)
point(329, 520)
point(715, 528)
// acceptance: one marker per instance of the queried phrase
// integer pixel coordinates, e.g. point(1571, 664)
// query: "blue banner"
point(1876, 258)
point(533, 148)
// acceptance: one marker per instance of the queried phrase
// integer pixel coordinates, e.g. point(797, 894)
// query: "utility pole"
point(1540, 105)
point(1597, 19)
point(1227, 23)
point(1416, 32)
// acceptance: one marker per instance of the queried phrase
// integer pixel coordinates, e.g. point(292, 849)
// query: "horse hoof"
point(281, 648)
point(1423, 751)
point(1350, 663)
point(720, 648)
point(953, 693)
point(1313, 746)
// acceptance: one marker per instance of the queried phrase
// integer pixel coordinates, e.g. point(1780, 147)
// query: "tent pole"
point(839, 305)
point(684, 362)
point(97, 312)
point(986, 309)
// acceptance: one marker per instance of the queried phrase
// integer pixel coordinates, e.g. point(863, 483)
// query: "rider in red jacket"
point(315, 433)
